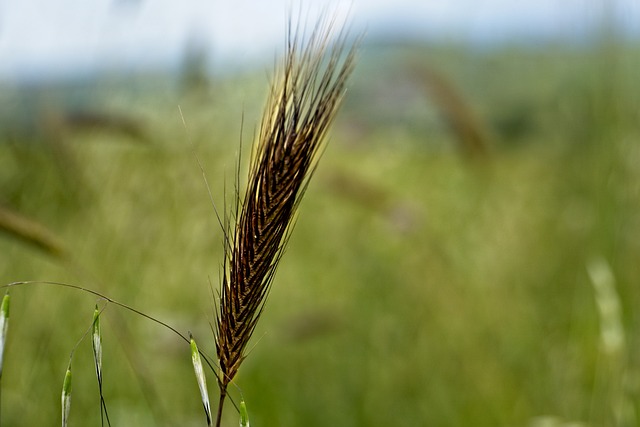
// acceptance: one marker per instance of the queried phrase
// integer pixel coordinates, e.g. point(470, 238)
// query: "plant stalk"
point(223, 395)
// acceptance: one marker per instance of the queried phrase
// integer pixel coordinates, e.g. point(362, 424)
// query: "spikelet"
point(301, 106)
point(202, 381)
point(96, 344)
point(4, 326)
point(96, 340)
point(244, 415)
point(302, 103)
point(66, 397)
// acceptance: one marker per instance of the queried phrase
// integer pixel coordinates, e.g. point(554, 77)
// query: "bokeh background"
point(467, 253)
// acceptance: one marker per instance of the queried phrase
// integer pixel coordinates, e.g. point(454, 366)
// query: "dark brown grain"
point(301, 105)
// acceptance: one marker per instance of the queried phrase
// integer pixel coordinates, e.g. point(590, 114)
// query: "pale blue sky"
point(55, 36)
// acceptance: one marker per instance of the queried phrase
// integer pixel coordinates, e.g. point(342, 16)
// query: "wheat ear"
point(301, 105)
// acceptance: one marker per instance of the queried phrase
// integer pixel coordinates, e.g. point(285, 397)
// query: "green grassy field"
point(422, 286)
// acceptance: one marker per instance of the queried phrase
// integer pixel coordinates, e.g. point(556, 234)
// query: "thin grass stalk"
point(207, 359)
point(301, 105)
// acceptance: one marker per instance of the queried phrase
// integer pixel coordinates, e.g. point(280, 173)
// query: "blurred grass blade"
point(66, 397)
point(4, 326)
point(202, 381)
point(463, 122)
point(244, 415)
point(31, 232)
point(612, 391)
point(612, 336)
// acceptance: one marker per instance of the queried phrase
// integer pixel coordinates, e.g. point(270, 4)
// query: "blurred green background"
point(467, 253)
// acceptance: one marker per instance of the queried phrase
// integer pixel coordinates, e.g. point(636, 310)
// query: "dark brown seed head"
point(301, 105)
